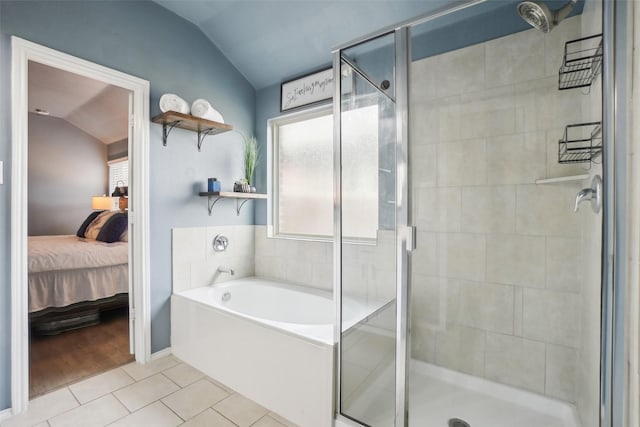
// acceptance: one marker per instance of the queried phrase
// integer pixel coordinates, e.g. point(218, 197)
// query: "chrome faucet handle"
point(583, 195)
point(594, 194)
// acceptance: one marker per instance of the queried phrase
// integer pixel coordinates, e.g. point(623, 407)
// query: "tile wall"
point(297, 261)
point(497, 288)
point(588, 367)
point(195, 263)
point(368, 269)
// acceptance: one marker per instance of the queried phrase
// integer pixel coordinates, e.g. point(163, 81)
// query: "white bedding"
point(64, 270)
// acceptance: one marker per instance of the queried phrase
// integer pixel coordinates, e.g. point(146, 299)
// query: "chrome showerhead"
point(539, 16)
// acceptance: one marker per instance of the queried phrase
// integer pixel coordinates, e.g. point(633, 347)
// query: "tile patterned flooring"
point(164, 392)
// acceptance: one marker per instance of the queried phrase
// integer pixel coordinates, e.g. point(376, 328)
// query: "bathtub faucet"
point(226, 270)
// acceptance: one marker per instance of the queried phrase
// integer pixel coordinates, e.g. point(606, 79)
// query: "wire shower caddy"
point(582, 62)
point(581, 143)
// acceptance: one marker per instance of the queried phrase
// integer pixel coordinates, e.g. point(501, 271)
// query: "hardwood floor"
point(59, 360)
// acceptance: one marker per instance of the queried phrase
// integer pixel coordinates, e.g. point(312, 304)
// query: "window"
point(118, 171)
point(302, 173)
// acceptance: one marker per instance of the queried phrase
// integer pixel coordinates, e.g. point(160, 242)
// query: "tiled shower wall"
point(497, 284)
point(588, 368)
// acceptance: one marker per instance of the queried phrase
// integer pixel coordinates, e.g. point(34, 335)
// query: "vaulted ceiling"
point(94, 107)
point(269, 41)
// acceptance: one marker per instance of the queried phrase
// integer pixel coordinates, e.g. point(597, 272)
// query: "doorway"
point(24, 52)
point(78, 281)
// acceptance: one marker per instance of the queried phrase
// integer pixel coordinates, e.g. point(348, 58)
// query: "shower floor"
point(437, 395)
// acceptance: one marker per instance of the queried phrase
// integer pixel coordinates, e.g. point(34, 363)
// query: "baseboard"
point(160, 354)
point(6, 414)
point(537, 402)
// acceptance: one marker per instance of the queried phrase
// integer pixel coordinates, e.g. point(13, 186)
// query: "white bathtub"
point(303, 311)
point(271, 341)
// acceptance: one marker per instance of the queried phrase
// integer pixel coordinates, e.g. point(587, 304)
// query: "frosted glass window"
point(303, 174)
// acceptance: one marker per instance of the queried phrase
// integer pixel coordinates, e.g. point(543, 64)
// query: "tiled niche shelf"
point(241, 198)
point(172, 119)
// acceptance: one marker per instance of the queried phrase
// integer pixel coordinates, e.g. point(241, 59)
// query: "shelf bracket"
point(166, 132)
point(211, 202)
point(239, 205)
point(202, 134)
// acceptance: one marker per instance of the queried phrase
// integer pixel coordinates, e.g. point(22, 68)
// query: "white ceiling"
point(92, 106)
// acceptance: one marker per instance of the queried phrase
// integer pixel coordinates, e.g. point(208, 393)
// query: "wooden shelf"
point(241, 198)
point(204, 127)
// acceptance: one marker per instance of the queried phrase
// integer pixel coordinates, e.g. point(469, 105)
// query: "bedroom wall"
point(66, 167)
point(145, 40)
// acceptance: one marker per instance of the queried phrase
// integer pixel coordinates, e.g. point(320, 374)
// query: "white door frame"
point(22, 52)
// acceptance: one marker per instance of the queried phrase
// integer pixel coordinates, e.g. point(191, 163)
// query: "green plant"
point(251, 155)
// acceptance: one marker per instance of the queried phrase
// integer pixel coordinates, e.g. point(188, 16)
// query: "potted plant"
point(251, 154)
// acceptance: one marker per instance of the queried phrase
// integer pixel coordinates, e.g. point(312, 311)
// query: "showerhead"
point(539, 16)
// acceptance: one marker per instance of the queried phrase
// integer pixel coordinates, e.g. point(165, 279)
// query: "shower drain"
point(457, 422)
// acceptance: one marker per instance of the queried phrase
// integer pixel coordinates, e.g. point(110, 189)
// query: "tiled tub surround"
point(265, 361)
point(497, 284)
point(368, 268)
point(195, 263)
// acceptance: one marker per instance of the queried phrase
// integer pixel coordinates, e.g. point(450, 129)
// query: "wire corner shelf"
point(581, 143)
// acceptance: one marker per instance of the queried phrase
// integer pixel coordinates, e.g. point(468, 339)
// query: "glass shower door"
point(367, 243)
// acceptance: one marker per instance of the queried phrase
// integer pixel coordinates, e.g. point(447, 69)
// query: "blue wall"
point(267, 107)
point(145, 40)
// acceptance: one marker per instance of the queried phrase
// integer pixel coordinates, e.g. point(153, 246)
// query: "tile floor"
point(165, 392)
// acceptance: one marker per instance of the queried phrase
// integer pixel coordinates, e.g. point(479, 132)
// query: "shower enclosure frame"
point(612, 388)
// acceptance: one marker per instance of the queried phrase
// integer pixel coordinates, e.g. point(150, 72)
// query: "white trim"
point(6, 414)
point(273, 125)
point(162, 353)
point(22, 52)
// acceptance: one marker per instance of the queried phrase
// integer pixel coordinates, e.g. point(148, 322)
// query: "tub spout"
point(226, 270)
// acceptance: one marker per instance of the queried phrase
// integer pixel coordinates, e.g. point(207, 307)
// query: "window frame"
point(273, 125)
point(272, 166)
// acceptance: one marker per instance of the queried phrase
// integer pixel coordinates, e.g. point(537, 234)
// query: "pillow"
point(85, 224)
point(113, 228)
point(95, 228)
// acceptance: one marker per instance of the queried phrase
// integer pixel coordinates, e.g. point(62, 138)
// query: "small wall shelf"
point(561, 179)
point(241, 198)
point(204, 127)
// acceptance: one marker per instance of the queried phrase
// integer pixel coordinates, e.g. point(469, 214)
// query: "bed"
point(73, 278)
